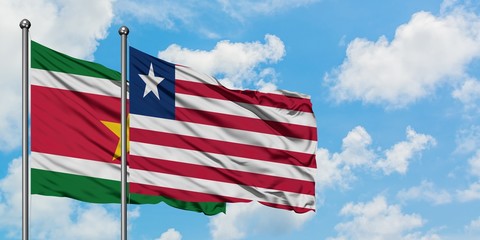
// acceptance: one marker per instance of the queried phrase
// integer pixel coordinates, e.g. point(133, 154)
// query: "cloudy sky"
point(395, 87)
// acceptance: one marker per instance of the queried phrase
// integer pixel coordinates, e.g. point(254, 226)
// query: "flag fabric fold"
point(193, 139)
point(75, 127)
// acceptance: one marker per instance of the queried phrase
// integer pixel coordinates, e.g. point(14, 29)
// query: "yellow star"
point(116, 129)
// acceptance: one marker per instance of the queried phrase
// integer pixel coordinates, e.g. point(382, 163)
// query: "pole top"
point(123, 30)
point(25, 24)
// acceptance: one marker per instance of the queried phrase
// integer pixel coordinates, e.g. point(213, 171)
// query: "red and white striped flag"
point(192, 139)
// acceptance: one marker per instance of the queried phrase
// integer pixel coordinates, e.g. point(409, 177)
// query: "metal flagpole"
point(123, 31)
point(25, 26)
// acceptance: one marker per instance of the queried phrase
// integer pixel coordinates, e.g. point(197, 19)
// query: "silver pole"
point(123, 31)
point(25, 26)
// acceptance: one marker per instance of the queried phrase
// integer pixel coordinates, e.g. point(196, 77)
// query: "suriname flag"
point(75, 129)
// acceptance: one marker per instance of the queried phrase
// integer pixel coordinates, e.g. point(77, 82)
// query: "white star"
point(151, 82)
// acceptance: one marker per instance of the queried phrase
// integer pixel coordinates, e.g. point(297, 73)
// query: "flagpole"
point(25, 26)
point(123, 31)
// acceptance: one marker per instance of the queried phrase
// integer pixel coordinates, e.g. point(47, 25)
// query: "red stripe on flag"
point(191, 196)
point(245, 123)
point(222, 175)
point(287, 207)
point(69, 123)
point(182, 195)
point(222, 147)
point(244, 96)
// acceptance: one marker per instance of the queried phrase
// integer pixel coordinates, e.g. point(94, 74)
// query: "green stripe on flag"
point(51, 60)
point(96, 190)
point(208, 208)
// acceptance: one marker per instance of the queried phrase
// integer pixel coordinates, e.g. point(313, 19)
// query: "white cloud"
point(91, 222)
point(52, 217)
point(468, 94)
point(357, 152)
point(201, 16)
point(170, 234)
point(337, 168)
point(411, 66)
point(474, 163)
point(378, 220)
point(134, 213)
point(333, 171)
point(268, 79)
point(448, 5)
point(471, 231)
point(73, 27)
point(468, 139)
point(425, 191)
point(242, 69)
point(244, 9)
point(163, 13)
point(398, 157)
point(11, 197)
point(245, 219)
point(174, 15)
point(70, 26)
point(472, 193)
point(473, 226)
point(169, 13)
point(420, 236)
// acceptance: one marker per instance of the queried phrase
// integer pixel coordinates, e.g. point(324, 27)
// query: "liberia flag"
point(75, 131)
point(193, 139)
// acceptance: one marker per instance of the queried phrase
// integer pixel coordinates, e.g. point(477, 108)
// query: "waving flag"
point(75, 132)
point(192, 139)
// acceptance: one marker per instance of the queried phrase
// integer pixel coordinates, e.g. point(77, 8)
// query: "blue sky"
point(394, 84)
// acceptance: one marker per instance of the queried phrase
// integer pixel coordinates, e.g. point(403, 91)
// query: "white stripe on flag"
point(73, 82)
point(188, 74)
point(221, 161)
point(245, 110)
point(223, 189)
point(221, 134)
point(77, 166)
